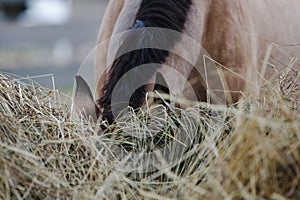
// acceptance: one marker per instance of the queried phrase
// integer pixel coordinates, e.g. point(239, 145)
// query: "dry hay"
point(246, 151)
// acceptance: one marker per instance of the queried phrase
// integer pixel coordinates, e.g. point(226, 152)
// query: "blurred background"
point(40, 37)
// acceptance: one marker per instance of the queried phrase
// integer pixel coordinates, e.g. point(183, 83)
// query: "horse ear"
point(84, 101)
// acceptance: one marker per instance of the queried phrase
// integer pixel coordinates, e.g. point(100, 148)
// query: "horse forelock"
point(167, 14)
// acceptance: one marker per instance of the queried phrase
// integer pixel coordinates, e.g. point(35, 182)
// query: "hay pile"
point(246, 151)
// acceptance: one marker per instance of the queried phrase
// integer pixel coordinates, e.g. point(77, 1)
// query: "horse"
point(248, 42)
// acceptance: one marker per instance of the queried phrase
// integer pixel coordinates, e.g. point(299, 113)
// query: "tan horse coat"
point(237, 34)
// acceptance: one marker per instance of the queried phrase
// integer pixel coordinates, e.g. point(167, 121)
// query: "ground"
point(58, 50)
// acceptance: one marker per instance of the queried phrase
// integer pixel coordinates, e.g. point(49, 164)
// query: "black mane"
point(168, 14)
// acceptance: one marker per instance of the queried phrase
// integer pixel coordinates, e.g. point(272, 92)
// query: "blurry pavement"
point(55, 49)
